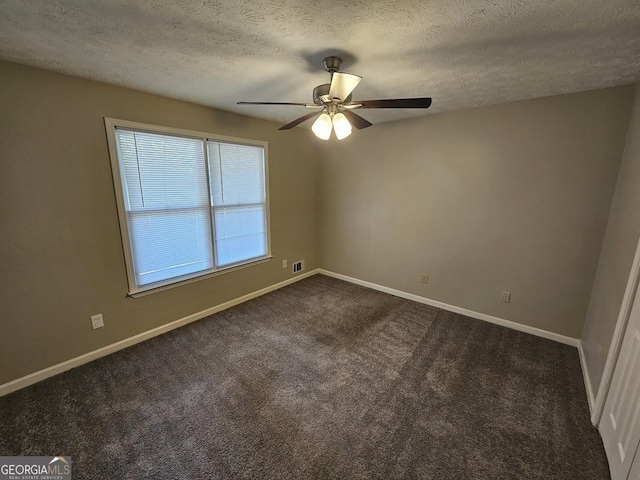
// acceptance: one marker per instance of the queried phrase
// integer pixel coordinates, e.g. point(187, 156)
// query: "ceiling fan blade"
point(299, 120)
point(342, 84)
point(397, 103)
point(275, 103)
point(356, 120)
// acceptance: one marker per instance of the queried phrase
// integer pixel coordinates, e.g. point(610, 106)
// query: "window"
point(190, 204)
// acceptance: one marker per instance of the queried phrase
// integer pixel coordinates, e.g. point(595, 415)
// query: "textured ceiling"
point(463, 53)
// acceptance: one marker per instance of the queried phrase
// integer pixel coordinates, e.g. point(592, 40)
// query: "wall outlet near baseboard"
point(284, 264)
point(424, 278)
point(298, 266)
point(97, 321)
point(506, 297)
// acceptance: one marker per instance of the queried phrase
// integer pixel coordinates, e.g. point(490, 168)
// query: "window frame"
point(134, 290)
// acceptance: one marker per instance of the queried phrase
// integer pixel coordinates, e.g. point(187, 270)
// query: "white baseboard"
point(587, 379)
point(40, 375)
point(141, 337)
point(574, 342)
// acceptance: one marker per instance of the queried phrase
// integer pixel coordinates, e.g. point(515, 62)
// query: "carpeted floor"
point(321, 379)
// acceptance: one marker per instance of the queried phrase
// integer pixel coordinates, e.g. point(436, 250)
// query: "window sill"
point(222, 271)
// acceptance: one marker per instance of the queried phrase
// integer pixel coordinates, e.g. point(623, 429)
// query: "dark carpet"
point(321, 379)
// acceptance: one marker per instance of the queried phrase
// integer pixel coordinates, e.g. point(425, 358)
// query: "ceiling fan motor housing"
point(321, 95)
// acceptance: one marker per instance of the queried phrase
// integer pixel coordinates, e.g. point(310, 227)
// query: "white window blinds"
point(192, 205)
point(238, 201)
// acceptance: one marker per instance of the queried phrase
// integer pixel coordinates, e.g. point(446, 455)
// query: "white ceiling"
point(463, 53)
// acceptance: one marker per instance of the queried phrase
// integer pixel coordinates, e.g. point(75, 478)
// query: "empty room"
point(319, 240)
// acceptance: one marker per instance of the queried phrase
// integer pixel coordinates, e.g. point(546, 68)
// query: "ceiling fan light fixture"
point(341, 126)
point(322, 127)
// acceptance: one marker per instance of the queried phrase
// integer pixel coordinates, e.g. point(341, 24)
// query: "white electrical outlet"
point(506, 297)
point(284, 264)
point(424, 278)
point(97, 321)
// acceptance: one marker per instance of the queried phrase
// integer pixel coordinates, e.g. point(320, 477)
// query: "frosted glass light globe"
point(322, 127)
point(341, 126)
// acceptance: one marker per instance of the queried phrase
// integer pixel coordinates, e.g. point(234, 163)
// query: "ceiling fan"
point(334, 105)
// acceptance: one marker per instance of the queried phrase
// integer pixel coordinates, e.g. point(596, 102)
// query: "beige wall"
point(61, 256)
point(512, 197)
point(618, 250)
